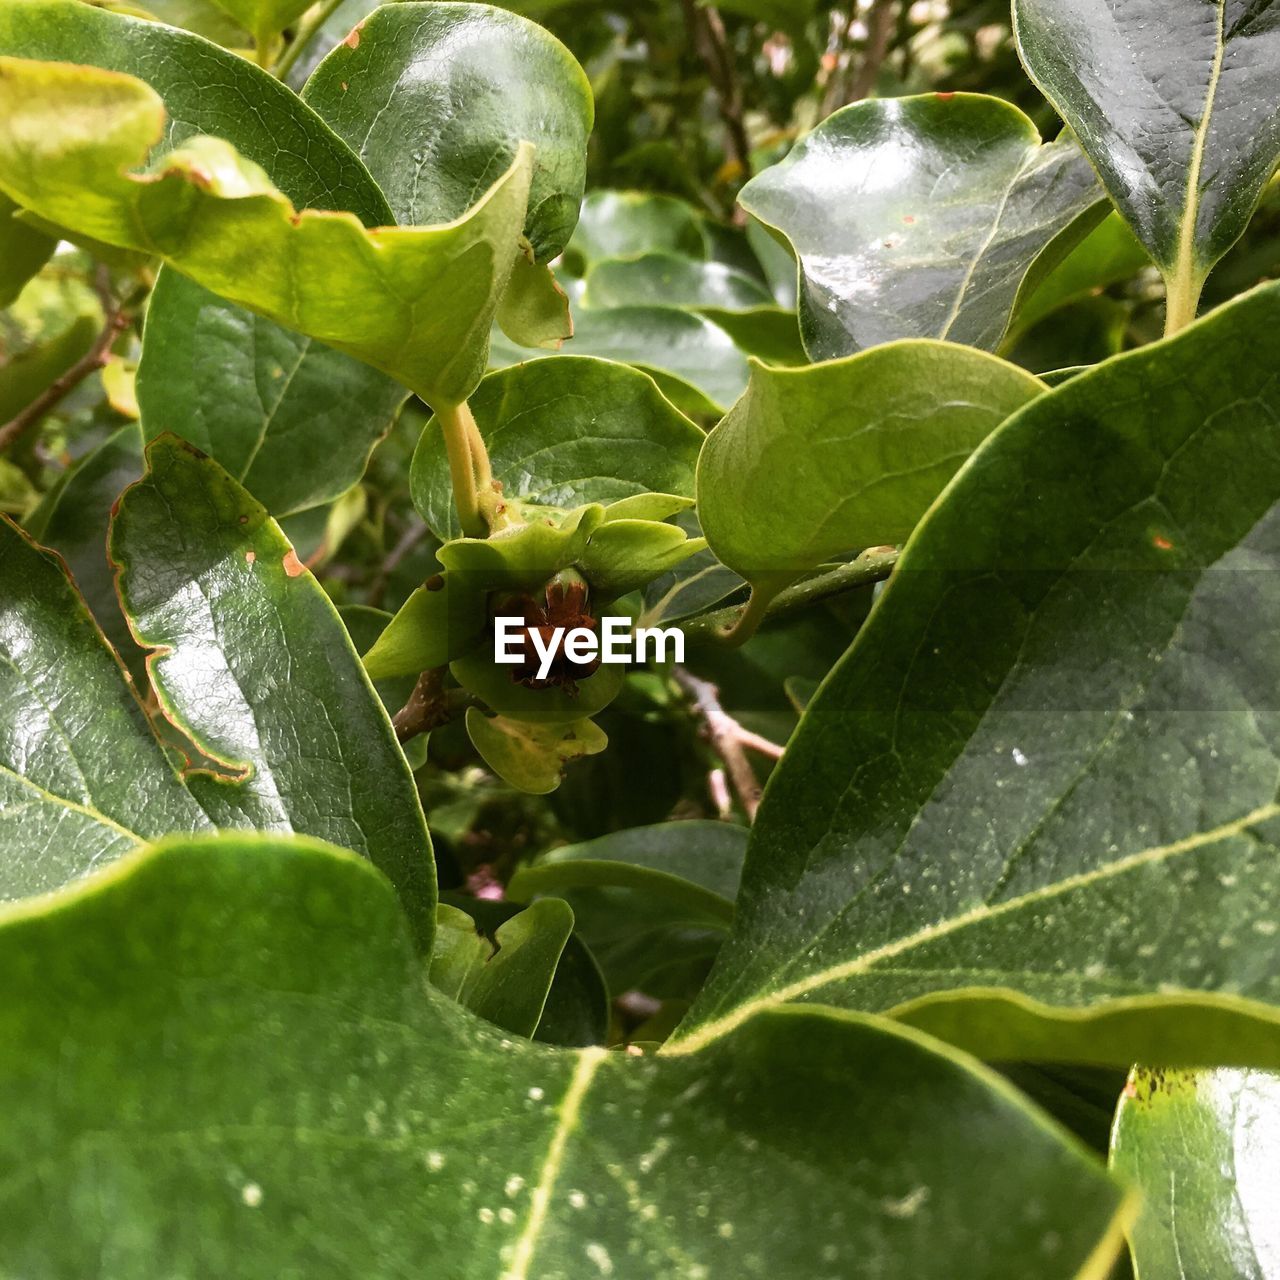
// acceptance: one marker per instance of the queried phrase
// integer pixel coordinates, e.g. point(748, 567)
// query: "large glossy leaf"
point(82, 777)
point(252, 662)
point(922, 218)
point(293, 420)
point(566, 432)
point(1177, 108)
point(72, 142)
point(1203, 1147)
point(436, 99)
point(693, 361)
point(264, 1085)
point(815, 462)
point(1034, 809)
point(73, 521)
point(205, 90)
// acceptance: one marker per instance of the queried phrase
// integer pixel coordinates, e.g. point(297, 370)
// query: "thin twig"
point(117, 320)
point(871, 566)
point(413, 535)
point(880, 27)
point(729, 740)
point(706, 29)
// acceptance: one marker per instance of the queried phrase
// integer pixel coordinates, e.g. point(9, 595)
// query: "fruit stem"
point(461, 439)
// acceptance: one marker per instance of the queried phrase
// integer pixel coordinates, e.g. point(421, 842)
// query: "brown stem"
point(430, 705)
point(880, 27)
point(116, 322)
point(730, 740)
point(706, 29)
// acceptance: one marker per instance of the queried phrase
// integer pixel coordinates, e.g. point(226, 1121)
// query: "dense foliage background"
point(1030, 817)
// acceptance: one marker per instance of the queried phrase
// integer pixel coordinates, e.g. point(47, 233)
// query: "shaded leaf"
point(1034, 808)
point(922, 218)
point(333, 1120)
point(23, 251)
point(622, 224)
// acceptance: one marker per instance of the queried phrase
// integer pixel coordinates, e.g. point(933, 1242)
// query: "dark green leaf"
point(922, 218)
point(23, 251)
point(252, 662)
point(622, 224)
point(82, 778)
point(1177, 108)
point(1034, 809)
point(436, 99)
point(263, 1082)
point(73, 521)
point(293, 420)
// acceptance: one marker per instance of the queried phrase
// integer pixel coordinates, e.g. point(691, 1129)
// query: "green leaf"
point(50, 326)
point(227, 400)
point(266, 19)
point(436, 100)
point(251, 661)
point(1201, 1146)
point(576, 1013)
point(814, 463)
point(293, 420)
point(694, 362)
point(264, 1082)
point(70, 140)
point(1108, 254)
point(532, 757)
point(440, 621)
point(82, 778)
point(478, 674)
point(562, 433)
point(73, 521)
point(534, 311)
point(505, 982)
point(1178, 114)
point(694, 866)
point(922, 218)
point(623, 224)
point(1034, 809)
point(672, 280)
point(653, 903)
point(624, 555)
point(739, 303)
point(205, 90)
point(23, 251)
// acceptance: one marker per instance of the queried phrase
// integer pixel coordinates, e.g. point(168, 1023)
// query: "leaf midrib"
point(869, 959)
point(1186, 261)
